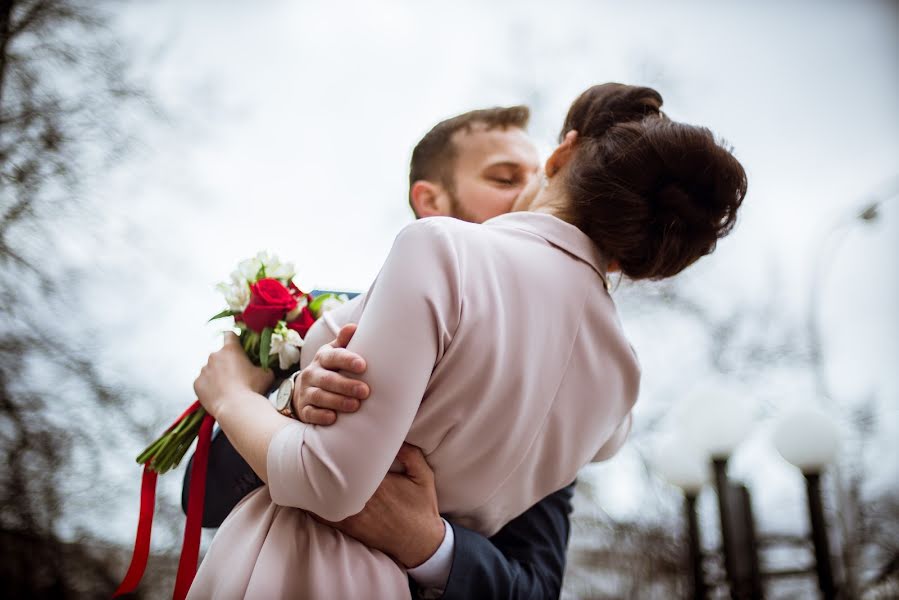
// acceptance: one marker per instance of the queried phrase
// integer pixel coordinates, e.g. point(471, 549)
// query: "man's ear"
point(429, 199)
point(561, 155)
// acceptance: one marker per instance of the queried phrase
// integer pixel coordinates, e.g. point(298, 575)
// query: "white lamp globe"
point(808, 438)
point(682, 464)
point(718, 417)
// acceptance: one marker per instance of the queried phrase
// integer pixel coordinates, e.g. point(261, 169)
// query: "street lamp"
point(809, 439)
point(710, 427)
point(829, 245)
point(720, 418)
point(684, 465)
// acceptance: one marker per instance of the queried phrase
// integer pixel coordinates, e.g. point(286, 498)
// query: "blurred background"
point(146, 147)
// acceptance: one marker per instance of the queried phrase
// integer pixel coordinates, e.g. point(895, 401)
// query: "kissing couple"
point(481, 370)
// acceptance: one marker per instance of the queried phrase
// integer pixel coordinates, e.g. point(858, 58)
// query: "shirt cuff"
point(432, 574)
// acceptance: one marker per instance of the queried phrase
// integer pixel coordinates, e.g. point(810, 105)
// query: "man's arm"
point(525, 559)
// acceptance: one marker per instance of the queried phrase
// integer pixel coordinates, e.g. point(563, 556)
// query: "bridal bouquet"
point(272, 316)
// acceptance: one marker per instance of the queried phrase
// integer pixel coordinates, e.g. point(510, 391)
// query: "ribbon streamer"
point(190, 548)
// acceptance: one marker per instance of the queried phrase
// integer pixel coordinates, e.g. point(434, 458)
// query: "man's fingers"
point(413, 460)
point(344, 335)
point(335, 359)
point(319, 398)
point(317, 416)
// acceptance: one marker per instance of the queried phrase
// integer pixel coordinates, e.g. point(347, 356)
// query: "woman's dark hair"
point(653, 194)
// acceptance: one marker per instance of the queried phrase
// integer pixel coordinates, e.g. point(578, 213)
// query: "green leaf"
point(261, 273)
point(223, 314)
point(316, 305)
point(249, 339)
point(265, 347)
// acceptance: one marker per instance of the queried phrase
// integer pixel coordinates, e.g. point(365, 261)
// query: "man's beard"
point(457, 211)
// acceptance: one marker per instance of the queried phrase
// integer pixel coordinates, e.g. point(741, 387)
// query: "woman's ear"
point(562, 154)
point(428, 199)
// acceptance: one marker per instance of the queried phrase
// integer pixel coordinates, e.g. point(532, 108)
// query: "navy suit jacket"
point(525, 559)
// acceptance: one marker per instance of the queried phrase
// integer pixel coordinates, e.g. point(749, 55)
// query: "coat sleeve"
point(614, 444)
point(524, 560)
point(228, 479)
point(409, 317)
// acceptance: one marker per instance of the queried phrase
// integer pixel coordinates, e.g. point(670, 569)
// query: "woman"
point(515, 370)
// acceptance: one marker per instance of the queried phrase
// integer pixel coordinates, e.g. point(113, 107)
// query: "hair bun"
point(653, 194)
point(672, 202)
point(603, 106)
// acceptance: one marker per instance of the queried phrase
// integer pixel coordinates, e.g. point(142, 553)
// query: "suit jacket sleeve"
point(525, 559)
point(228, 479)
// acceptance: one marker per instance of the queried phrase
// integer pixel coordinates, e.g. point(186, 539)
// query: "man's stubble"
point(456, 210)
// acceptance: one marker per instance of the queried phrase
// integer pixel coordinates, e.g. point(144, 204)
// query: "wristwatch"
point(281, 398)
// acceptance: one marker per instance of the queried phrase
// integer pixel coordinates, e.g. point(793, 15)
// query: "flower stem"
point(166, 452)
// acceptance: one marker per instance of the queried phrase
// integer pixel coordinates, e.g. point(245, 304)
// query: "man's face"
point(492, 167)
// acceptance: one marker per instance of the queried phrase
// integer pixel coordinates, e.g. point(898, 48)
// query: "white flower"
point(286, 344)
point(236, 293)
point(278, 270)
point(332, 302)
point(248, 269)
point(274, 268)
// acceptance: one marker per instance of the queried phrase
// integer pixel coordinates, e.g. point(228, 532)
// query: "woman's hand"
point(227, 374)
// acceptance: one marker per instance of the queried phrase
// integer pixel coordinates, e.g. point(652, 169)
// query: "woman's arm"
point(410, 315)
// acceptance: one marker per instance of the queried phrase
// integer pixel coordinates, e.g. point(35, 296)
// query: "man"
point(472, 167)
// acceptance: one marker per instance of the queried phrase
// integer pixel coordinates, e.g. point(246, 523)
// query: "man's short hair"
point(434, 157)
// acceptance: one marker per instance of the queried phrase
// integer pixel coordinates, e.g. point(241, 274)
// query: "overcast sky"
point(288, 126)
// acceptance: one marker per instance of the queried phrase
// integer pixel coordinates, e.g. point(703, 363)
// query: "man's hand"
point(322, 391)
point(401, 519)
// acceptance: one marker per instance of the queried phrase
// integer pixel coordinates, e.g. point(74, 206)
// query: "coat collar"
point(558, 233)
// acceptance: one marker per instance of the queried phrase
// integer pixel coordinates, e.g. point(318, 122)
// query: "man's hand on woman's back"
point(401, 519)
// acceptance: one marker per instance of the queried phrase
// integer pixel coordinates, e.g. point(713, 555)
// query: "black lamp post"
point(697, 577)
point(683, 465)
point(738, 539)
point(809, 439)
point(722, 490)
point(819, 536)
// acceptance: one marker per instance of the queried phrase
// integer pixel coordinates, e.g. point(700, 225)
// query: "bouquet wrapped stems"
point(166, 451)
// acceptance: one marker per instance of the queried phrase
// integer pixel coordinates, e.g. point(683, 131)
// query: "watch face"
point(285, 391)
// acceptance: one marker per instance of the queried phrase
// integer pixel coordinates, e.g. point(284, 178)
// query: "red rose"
point(296, 291)
point(303, 322)
point(269, 303)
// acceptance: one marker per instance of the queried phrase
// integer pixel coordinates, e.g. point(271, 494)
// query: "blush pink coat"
point(494, 348)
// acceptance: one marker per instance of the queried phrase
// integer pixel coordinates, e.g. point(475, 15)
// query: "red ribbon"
point(190, 548)
point(142, 542)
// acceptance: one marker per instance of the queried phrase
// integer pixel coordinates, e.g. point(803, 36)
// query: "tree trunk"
point(5, 23)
